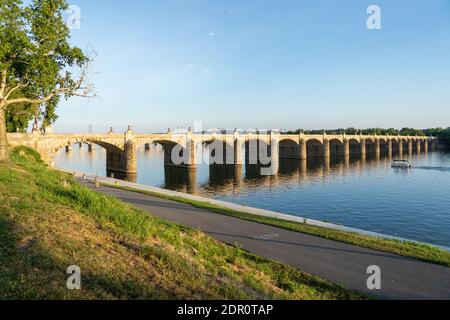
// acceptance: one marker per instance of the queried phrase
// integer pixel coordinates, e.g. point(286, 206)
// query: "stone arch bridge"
point(233, 148)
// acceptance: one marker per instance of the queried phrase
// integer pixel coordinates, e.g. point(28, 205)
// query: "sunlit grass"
point(48, 222)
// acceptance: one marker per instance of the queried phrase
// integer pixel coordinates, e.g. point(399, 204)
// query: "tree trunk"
point(4, 156)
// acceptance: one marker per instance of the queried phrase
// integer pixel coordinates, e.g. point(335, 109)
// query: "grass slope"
point(49, 222)
point(411, 249)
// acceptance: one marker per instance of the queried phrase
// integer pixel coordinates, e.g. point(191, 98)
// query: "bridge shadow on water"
point(234, 178)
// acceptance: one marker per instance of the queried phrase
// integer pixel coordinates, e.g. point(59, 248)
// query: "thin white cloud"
point(207, 72)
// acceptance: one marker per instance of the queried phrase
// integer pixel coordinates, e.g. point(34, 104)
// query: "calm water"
point(370, 195)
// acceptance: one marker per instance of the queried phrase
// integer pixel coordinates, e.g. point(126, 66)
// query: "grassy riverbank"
point(416, 250)
point(48, 222)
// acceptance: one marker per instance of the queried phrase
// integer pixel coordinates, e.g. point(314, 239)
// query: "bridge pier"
point(167, 149)
point(400, 147)
point(410, 146)
point(303, 151)
point(418, 146)
point(252, 151)
point(121, 165)
point(377, 148)
point(425, 146)
point(326, 148)
point(390, 148)
point(130, 157)
point(191, 154)
point(238, 156)
point(274, 156)
point(346, 147)
point(363, 148)
point(177, 156)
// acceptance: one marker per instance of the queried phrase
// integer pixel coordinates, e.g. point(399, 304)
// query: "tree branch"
point(14, 89)
point(54, 93)
point(77, 90)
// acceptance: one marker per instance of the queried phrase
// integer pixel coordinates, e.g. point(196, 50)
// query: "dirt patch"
point(26, 243)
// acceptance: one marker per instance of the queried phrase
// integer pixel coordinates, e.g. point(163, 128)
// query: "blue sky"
point(263, 64)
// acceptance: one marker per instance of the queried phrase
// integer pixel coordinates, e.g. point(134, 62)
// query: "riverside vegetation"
point(48, 222)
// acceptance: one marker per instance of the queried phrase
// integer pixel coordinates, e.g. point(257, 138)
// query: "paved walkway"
point(401, 278)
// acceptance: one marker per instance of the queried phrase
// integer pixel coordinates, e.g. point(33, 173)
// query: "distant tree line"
point(442, 133)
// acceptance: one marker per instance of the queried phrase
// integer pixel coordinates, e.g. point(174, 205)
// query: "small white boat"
point(401, 164)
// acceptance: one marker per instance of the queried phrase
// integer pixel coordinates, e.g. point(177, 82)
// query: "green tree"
point(37, 63)
point(18, 117)
point(351, 131)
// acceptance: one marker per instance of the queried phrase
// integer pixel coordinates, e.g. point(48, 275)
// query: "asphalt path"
point(345, 264)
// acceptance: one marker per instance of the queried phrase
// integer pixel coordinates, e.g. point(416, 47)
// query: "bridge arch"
point(422, 142)
point(397, 145)
point(384, 144)
point(120, 157)
point(168, 149)
point(405, 144)
point(370, 145)
point(314, 148)
point(220, 151)
point(336, 147)
point(354, 146)
point(255, 148)
point(105, 145)
point(288, 149)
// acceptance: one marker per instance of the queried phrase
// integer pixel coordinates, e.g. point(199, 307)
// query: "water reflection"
point(227, 178)
point(181, 179)
point(230, 178)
